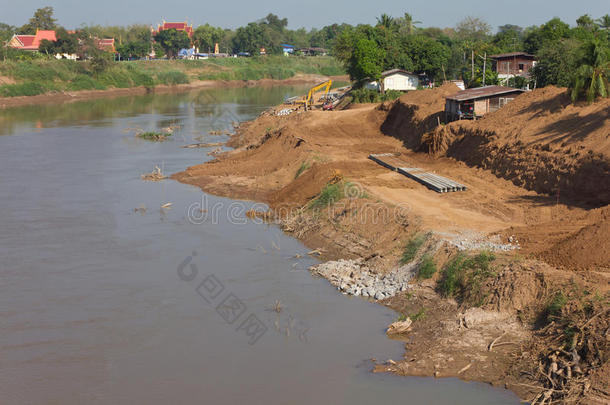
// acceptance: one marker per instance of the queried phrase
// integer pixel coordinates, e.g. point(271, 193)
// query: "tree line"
point(566, 55)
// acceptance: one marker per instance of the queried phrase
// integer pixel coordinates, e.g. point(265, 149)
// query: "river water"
point(103, 303)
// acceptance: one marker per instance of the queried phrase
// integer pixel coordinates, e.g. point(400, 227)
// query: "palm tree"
point(409, 24)
point(604, 22)
point(386, 21)
point(592, 76)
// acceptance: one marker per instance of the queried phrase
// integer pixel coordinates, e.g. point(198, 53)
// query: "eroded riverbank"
point(507, 311)
point(93, 308)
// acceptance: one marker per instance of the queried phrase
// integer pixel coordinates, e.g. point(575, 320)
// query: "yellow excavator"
point(309, 100)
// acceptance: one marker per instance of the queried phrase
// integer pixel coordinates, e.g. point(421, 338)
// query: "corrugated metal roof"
point(511, 54)
point(392, 71)
point(482, 92)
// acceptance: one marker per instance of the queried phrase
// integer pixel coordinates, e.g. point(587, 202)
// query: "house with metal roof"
point(513, 64)
point(475, 103)
point(395, 79)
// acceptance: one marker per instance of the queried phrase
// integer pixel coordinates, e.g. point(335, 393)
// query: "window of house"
point(520, 66)
point(389, 82)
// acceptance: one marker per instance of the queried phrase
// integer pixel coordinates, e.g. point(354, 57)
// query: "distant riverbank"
point(40, 81)
point(80, 95)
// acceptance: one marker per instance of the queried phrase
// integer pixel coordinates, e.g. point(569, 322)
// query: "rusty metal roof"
point(482, 92)
point(512, 54)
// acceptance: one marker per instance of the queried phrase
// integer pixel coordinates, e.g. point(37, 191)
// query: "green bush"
point(363, 95)
point(554, 306)
point(83, 82)
point(463, 276)
point(23, 89)
point(330, 194)
point(412, 248)
point(427, 268)
point(304, 166)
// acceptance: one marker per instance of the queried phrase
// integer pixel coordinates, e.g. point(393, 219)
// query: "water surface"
point(94, 309)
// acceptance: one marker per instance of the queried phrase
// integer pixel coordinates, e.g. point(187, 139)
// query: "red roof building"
point(31, 42)
point(179, 26)
point(105, 44)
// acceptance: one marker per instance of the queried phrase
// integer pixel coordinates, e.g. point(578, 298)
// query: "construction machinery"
point(309, 98)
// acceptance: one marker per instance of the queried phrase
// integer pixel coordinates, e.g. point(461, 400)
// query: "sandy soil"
point(6, 102)
point(286, 161)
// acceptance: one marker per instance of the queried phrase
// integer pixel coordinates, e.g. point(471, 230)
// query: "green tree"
point(603, 22)
point(509, 38)
point(591, 78)
point(407, 26)
point(6, 32)
point(428, 56)
point(134, 49)
point(172, 41)
point(65, 43)
point(473, 29)
point(251, 38)
point(585, 21)
point(42, 20)
point(366, 60)
point(205, 37)
point(556, 63)
point(386, 22)
point(552, 31)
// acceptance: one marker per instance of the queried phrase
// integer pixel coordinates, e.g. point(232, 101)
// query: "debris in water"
point(167, 205)
point(155, 175)
point(399, 327)
point(203, 145)
point(141, 209)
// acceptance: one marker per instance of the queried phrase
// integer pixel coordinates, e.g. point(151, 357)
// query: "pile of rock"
point(354, 277)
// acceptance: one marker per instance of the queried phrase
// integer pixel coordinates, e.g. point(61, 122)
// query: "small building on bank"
point(287, 49)
point(513, 64)
point(313, 51)
point(475, 103)
point(395, 79)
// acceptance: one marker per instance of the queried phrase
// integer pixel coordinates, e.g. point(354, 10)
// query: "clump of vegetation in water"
point(154, 136)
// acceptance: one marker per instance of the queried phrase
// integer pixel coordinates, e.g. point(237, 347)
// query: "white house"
point(396, 79)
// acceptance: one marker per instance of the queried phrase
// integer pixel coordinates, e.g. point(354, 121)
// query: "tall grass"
point(39, 76)
point(269, 67)
point(411, 249)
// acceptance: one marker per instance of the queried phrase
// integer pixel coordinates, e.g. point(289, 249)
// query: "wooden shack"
point(476, 102)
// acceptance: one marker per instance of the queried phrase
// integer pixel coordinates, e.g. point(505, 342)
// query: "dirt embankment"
point(69, 96)
point(293, 162)
point(541, 142)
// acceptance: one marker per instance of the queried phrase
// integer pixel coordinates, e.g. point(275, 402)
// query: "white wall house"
point(396, 79)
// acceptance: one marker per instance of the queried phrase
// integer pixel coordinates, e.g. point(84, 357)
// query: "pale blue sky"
point(301, 13)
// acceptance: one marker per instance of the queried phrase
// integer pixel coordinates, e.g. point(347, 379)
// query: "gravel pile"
point(353, 277)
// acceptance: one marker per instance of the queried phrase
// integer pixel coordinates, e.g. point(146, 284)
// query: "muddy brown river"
point(107, 298)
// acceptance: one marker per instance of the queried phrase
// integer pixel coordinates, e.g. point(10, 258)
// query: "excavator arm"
point(309, 100)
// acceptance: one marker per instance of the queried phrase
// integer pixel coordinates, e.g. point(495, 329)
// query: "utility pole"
point(484, 66)
point(472, 64)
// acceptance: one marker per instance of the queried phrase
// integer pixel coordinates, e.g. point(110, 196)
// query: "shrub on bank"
point(463, 277)
point(172, 77)
point(363, 95)
point(23, 89)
